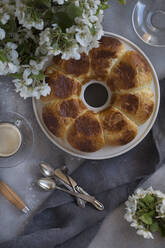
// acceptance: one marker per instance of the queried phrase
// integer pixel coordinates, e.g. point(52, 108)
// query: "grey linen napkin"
point(60, 223)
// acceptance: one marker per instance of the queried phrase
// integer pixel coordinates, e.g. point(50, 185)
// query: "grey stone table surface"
point(22, 178)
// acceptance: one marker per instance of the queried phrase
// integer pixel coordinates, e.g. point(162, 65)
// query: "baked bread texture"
point(128, 76)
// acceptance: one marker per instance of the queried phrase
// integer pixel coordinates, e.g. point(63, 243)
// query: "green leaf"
point(65, 15)
point(162, 229)
point(73, 11)
point(141, 204)
point(152, 213)
point(38, 77)
point(122, 1)
point(3, 57)
point(104, 6)
point(39, 4)
point(146, 218)
point(148, 200)
point(44, 3)
point(17, 75)
point(63, 20)
point(48, 18)
point(93, 30)
point(154, 227)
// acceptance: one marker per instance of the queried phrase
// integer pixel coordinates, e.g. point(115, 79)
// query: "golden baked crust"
point(58, 116)
point(131, 72)
point(86, 133)
point(127, 74)
point(62, 86)
point(79, 69)
point(138, 106)
point(102, 58)
point(117, 128)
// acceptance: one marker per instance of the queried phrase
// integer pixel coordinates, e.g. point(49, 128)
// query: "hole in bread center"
point(96, 95)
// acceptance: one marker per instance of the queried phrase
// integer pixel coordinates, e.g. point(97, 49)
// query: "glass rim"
point(133, 24)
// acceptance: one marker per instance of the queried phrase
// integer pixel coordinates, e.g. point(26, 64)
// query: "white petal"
point(26, 73)
point(29, 81)
point(2, 34)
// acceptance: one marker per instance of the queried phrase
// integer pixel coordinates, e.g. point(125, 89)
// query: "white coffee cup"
point(10, 139)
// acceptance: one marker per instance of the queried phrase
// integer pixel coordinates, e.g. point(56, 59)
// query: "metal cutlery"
point(48, 171)
point(50, 184)
point(62, 176)
point(67, 181)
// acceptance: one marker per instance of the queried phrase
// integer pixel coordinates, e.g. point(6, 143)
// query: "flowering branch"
point(32, 30)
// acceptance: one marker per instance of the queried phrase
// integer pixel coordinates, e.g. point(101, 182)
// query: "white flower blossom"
point(145, 234)
point(3, 70)
point(128, 216)
point(72, 52)
point(12, 68)
point(11, 45)
point(60, 1)
point(45, 37)
point(35, 67)
point(83, 36)
point(8, 68)
point(131, 204)
point(28, 81)
point(29, 91)
point(25, 18)
point(4, 19)
point(11, 63)
point(11, 52)
point(160, 209)
point(2, 34)
point(160, 194)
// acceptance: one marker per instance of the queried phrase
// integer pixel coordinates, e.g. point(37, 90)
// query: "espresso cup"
point(10, 139)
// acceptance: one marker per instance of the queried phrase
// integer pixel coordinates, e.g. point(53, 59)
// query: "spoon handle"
point(80, 202)
point(96, 203)
point(87, 198)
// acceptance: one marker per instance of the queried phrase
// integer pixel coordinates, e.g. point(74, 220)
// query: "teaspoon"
point(48, 171)
point(50, 184)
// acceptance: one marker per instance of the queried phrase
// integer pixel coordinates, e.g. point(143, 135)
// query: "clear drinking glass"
point(148, 20)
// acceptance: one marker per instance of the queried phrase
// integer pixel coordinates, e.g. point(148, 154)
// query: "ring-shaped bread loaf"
point(125, 72)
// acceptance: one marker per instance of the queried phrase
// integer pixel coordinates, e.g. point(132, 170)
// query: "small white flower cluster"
point(26, 18)
point(160, 208)
point(37, 91)
point(4, 17)
point(131, 208)
point(11, 64)
point(34, 37)
point(82, 37)
point(89, 20)
point(26, 86)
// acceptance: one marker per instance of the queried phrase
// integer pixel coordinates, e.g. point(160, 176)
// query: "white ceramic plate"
point(107, 151)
